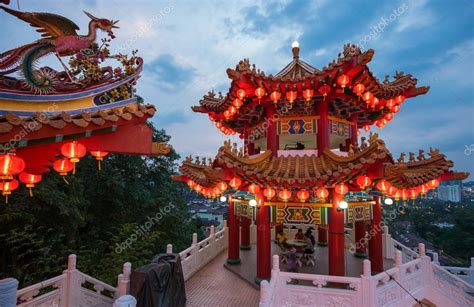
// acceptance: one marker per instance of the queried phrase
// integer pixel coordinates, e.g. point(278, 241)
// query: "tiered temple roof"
point(298, 76)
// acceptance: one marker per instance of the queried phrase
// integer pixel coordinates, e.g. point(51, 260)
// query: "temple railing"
point(401, 285)
point(73, 288)
point(201, 253)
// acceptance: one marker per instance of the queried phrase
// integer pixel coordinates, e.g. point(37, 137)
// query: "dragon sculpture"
point(59, 38)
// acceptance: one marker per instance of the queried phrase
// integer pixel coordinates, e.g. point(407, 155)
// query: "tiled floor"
point(215, 286)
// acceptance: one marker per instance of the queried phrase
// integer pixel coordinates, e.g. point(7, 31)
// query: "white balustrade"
point(72, 288)
point(420, 277)
point(200, 253)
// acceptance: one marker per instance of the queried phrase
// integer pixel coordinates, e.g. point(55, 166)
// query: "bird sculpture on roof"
point(59, 37)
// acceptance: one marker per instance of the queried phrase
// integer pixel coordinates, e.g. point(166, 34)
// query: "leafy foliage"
point(94, 214)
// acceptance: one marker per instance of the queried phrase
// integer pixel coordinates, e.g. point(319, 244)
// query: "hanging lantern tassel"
point(6, 196)
point(99, 156)
point(65, 180)
point(30, 188)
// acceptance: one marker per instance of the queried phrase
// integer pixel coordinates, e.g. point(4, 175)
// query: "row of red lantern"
point(11, 165)
point(411, 193)
point(225, 130)
point(212, 192)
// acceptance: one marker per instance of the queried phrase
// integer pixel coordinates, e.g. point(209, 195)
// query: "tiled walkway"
point(213, 286)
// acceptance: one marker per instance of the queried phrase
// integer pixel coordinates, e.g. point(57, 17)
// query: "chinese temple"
point(303, 161)
point(50, 119)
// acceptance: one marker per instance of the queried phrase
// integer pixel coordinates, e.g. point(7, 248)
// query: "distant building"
point(450, 191)
point(206, 212)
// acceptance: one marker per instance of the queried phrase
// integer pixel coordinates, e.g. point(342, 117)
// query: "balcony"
point(208, 283)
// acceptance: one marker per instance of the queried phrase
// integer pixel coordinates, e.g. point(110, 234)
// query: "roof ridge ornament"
point(295, 48)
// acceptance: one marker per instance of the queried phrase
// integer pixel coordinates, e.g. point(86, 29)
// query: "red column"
point(360, 240)
point(233, 248)
point(323, 126)
point(272, 136)
point(249, 145)
point(322, 236)
point(354, 130)
point(375, 238)
point(245, 233)
point(263, 244)
point(336, 238)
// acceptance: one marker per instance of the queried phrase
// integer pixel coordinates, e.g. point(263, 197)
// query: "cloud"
point(170, 76)
point(418, 15)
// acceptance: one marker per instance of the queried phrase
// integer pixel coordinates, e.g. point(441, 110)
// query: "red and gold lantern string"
point(10, 165)
point(74, 151)
point(29, 180)
point(99, 156)
point(7, 187)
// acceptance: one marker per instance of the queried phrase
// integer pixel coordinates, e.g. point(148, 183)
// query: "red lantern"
point(358, 89)
point(302, 195)
point(198, 188)
point(241, 94)
point(216, 191)
point(399, 99)
point(367, 96)
point(237, 103)
point(358, 132)
point(324, 90)
point(269, 193)
point(227, 114)
point(222, 186)
point(395, 108)
point(291, 96)
point(363, 181)
point(374, 102)
point(99, 156)
point(29, 180)
point(388, 116)
point(322, 193)
point(396, 195)
point(191, 184)
point(232, 110)
point(235, 183)
point(390, 103)
point(413, 193)
point(284, 195)
point(74, 151)
point(379, 123)
point(218, 125)
point(392, 190)
point(433, 184)
point(7, 187)
point(341, 188)
point(10, 165)
point(366, 128)
point(383, 186)
point(259, 92)
point(63, 166)
point(308, 94)
point(404, 194)
point(275, 96)
point(254, 188)
point(423, 189)
point(343, 80)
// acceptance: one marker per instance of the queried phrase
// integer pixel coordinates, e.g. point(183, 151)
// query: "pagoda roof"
point(298, 75)
point(375, 160)
point(63, 121)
